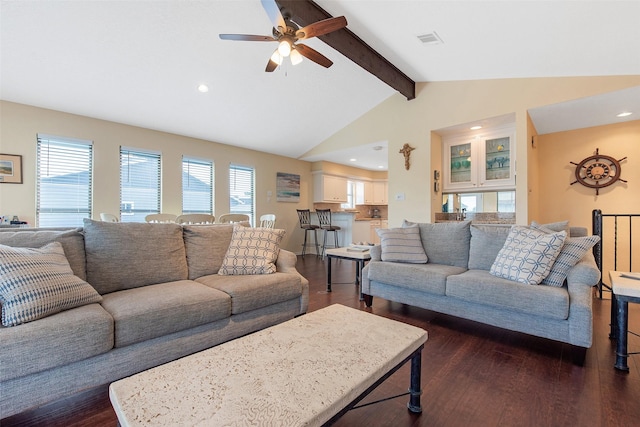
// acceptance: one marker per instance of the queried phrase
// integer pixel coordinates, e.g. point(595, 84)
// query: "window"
point(197, 186)
point(351, 192)
point(241, 196)
point(139, 184)
point(506, 201)
point(64, 173)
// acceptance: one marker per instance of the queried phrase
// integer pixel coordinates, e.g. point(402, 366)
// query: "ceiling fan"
point(287, 33)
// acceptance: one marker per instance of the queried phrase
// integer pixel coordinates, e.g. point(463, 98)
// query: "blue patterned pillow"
point(252, 251)
point(527, 255)
point(402, 245)
point(38, 282)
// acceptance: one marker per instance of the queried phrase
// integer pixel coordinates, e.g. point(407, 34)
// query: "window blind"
point(63, 181)
point(241, 191)
point(139, 184)
point(197, 186)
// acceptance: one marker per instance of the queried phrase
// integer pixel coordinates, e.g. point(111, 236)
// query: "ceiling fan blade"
point(247, 38)
point(314, 55)
point(276, 18)
point(321, 27)
point(271, 65)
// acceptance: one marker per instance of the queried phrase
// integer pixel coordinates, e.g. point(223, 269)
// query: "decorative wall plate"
point(598, 171)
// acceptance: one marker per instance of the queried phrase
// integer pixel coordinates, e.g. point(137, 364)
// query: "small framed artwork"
point(10, 169)
point(287, 187)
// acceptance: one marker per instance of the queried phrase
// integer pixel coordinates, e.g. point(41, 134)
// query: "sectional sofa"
point(481, 273)
point(157, 292)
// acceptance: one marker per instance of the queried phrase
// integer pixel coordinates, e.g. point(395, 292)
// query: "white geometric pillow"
point(38, 282)
point(402, 245)
point(252, 251)
point(527, 255)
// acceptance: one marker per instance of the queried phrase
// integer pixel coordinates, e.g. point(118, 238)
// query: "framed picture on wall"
point(10, 169)
point(287, 187)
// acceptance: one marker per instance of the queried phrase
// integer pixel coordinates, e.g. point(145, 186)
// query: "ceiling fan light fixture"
point(276, 57)
point(284, 48)
point(295, 57)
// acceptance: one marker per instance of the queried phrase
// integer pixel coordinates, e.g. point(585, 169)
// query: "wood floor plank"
point(472, 374)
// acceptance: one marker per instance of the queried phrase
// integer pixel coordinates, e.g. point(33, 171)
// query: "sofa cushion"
point(56, 340)
point(445, 242)
point(206, 246)
point(486, 242)
point(429, 277)
point(252, 251)
point(128, 255)
point(72, 242)
point(402, 245)
point(481, 287)
point(553, 226)
point(252, 292)
point(527, 255)
point(38, 282)
point(152, 311)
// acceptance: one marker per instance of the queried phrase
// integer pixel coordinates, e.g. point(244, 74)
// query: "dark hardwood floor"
point(472, 374)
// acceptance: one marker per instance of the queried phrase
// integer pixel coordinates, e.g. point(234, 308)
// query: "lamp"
point(276, 57)
point(284, 48)
point(295, 57)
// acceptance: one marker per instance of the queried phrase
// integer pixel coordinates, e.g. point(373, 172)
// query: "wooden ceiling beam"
point(305, 12)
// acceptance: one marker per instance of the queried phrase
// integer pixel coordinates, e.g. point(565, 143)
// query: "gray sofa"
point(162, 299)
point(457, 281)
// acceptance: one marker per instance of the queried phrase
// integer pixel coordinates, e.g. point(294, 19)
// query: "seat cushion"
point(56, 340)
point(421, 277)
point(128, 255)
point(252, 292)
point(481, 287)
point(152, 311)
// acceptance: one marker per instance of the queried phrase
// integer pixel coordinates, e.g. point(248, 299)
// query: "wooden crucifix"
point(406, 151)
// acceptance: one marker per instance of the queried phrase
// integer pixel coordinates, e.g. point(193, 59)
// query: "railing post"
point(596, 225)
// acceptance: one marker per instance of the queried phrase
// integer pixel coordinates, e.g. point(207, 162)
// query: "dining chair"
point(324, 218)
point(268, 221)
point(304, 216)
point(107, 217)
point(195, 219)
point(230, 218)
point(160, 218)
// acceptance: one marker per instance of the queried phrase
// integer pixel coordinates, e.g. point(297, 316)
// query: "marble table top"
point(300, 372)
point(626, 286)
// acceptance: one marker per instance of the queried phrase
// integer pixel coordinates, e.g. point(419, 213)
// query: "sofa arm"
point(585, 272)
point(286, 262)
point(376, 253)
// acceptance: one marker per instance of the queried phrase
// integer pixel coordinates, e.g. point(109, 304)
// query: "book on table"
point(631, 275)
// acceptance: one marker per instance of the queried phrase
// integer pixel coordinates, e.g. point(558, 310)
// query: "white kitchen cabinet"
point(371, 193)
point(329, 189)
point(379, 193)
point(373, 225)
point(361, 231)
point(481, 162)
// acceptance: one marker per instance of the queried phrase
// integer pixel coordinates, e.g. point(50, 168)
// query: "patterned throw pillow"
point(38, 282)
point(572, 252)
point(402, 245)
point(252, 251)
point(527, 255)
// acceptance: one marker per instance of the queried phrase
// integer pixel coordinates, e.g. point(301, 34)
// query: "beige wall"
point(19, 125)
point(440, 105)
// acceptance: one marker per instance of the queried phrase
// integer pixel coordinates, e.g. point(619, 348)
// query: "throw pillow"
point(402, 245)
point(553, 226)
point(252, 251)
point(527, 255)
point(572, 252)
point(38, 282)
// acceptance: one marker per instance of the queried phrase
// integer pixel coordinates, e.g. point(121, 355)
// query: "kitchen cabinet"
point(329, 189)
point(481, 162)
point(361, 231)
point(371, 193)
point(379, 192)
point(373, 225)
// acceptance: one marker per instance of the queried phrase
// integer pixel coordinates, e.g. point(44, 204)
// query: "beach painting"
point(10, 169)
point(287, 187)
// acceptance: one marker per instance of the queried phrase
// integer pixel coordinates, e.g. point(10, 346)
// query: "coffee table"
point(306, 371)
point(625, 290)
point(360, 259)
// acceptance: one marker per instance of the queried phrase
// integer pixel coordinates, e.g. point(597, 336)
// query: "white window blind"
point(197, 186)
point(63, 187)
point(139, 184)
point(241, 193)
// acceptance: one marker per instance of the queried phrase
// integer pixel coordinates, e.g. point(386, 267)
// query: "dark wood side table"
point(624, 291)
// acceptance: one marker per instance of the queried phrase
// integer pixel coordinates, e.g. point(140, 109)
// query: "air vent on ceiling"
point(430, 38)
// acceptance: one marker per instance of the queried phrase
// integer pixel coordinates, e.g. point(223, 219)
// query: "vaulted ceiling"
point(140, 62)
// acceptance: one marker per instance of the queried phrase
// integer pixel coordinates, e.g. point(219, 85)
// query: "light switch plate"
point(399, 196)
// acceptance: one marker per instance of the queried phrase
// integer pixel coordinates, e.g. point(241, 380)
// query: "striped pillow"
point(252, 251)
point(402, 245)
point(38, 282)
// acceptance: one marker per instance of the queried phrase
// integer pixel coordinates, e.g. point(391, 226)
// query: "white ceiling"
point(140, 62)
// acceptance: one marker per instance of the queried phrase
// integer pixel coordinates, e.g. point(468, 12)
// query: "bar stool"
point(324, 218)
point(304, 216)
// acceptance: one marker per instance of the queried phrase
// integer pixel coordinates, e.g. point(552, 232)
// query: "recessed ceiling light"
point(380, 167)
point(203, 88)
point(475, 127)
point(624, 114)
point(377, 147)
point(352, 160)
